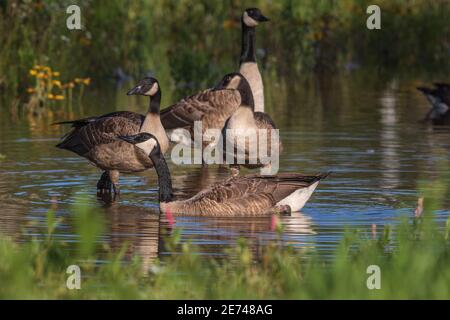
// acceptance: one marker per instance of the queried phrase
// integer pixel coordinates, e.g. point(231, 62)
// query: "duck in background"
point(439, 98)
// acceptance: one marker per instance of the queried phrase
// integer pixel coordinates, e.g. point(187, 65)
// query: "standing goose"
point(248, 66)
point(213, 108)
point(243, 195)
point(245, 121)
point(95, 138)
point(439, 97)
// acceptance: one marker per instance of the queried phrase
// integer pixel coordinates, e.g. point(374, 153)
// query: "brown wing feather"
point(245, 195)
point(264, 121)
point(104, 130)
point(211, 107)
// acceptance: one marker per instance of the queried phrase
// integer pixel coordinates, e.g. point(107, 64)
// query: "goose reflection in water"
point(143, 230)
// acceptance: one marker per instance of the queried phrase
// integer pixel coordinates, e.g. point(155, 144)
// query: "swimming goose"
point(242, 195)
point(248, 66)
point(95, 138)
point(439, 97)
point(244, 122)
point(213, 108)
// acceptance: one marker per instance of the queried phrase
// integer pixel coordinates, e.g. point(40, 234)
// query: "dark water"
point(366, 133)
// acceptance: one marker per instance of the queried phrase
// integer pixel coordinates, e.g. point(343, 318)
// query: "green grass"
point(413, 257)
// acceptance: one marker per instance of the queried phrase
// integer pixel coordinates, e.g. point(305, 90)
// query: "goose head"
point(146, 87)
point(150, 145)
point(146, 142)
point(232, 81)
point(236, 81)
point(252, 17)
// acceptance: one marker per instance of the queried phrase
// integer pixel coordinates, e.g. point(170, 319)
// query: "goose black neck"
point(164, 180)
point(246, 94)
point(248, 48)
point(155, 102)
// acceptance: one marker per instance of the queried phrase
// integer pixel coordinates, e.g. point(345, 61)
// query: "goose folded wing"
point(250, 194)
point(282, 185)
point(264, 121)
point(132, 116)
point(194, 108)
point(103, 131)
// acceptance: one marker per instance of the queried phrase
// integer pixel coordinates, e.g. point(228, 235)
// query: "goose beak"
point(423, 89)
point(262, 18)
point(129, 139)
point(135, 90)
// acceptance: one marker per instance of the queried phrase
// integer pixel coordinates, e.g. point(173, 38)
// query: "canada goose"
point(439, 97)
point(246, 121)
point(213, 108)
point(248, 66)
point(95, 138)
point(242, 195)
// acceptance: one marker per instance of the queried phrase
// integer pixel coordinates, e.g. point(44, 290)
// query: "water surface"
point(366, 133)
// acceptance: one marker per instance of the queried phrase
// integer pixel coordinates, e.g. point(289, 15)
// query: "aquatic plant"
point(48, 87)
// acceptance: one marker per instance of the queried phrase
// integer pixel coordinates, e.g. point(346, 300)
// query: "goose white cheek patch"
point(249, 21)
point(152, 90)
point(147, 146)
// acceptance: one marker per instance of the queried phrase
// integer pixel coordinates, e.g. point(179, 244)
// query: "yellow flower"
point(87, 81)
point(37, 67)
point(59, 97)
point(51, 96)
point(78, 80)
point(33, 72)
point(56, 74)
point(57, 83)
point(229, 24)
point(41, 75)
point(31, 90)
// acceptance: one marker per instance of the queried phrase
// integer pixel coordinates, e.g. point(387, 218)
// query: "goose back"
point(96, 140)
point(212, 107)
point(243, 195)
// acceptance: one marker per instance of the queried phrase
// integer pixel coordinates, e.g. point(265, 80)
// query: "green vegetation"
point(190, 45)
point(413, 257)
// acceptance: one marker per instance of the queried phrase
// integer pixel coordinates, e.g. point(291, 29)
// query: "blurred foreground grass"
point(413, 258)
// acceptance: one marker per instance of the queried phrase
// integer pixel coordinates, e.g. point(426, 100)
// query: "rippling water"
point(366, 133)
